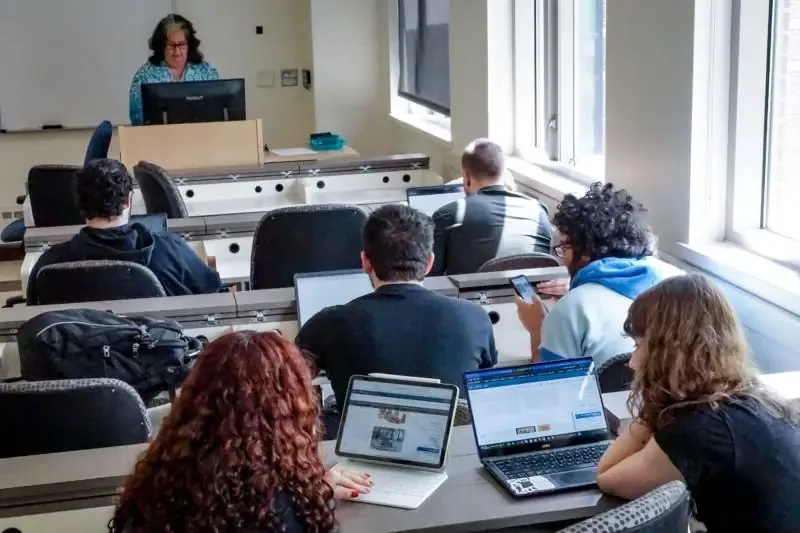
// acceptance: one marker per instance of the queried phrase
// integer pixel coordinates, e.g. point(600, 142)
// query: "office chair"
point(60, 416)
point(99, 142)
point(615, 375)
point(520, 262)
point(463, 414)
point(663, 510)
point(158, 191)
point(52, 197)
point(305, 238)
point(95, 281)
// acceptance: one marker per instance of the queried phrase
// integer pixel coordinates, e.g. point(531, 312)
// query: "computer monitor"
point(430, 199)
point(193, 101)
point(314, 292)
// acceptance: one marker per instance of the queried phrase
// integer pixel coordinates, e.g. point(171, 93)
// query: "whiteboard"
point(70, 62)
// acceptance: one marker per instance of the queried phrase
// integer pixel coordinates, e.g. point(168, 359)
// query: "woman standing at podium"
point(175, 56)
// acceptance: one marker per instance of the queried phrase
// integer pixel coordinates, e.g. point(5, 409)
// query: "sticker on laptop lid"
point(527, 485)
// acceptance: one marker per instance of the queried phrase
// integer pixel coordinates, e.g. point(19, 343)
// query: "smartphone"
point(523, 287)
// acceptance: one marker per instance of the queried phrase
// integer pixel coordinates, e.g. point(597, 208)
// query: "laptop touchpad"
point(578, 477)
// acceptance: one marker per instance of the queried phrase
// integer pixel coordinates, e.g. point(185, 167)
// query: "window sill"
point(548, 180)
point(762, 277)
point(434, 132)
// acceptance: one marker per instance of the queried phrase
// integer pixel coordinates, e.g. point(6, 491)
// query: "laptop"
point(430, 199)
point(539, 427)
point(397, 430)
point(315, 291)
point(155, 222)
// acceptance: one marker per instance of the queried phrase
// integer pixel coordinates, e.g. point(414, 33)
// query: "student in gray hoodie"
point(607, 246)
point(104, 191)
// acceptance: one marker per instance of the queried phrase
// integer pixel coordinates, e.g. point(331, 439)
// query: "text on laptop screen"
point(535, 403)
point(393, 421)
point(430, 203)
point(315, 293)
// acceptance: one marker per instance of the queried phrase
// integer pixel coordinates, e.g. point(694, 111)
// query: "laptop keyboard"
point(536, 464)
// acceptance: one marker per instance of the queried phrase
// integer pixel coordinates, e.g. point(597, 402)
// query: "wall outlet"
point(266, 78)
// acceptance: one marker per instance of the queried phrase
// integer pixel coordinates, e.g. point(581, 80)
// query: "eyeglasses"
point(558, 250)
point(177, 46)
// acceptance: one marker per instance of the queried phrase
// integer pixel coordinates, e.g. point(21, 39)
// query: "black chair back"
point(520, 262)
point(615, 375)
point(663, 510)
point(99, 142)
point(158, 190)
point(305, 238)
point(39, 417)
point(95, 281)
point(52, 195)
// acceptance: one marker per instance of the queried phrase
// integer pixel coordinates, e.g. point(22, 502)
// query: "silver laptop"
point(397, 430)
point(539, 427)
point(430, 199)
point(316, 291)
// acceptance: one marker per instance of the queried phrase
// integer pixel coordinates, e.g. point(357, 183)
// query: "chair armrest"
point(14, 300)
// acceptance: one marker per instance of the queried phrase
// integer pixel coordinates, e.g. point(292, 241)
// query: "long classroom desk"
point(274, 309)
point(73, 493)
point(241, 189)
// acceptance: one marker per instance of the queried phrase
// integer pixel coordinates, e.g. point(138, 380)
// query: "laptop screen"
point(397, 421)
point(155, 222)
point(536, 406)
point(430, 199)
point(315, 292)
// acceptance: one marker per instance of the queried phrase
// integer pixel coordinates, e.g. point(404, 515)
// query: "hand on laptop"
point(555, 288)
point(347, 483)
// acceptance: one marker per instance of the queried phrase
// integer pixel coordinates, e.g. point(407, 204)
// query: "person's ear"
point(429, 264)
point(365, 264)
point(129, 201)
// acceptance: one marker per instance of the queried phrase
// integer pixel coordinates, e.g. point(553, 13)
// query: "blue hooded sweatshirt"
point(587, 321)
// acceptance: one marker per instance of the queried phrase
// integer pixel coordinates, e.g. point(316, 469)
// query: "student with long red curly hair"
point(239, 450)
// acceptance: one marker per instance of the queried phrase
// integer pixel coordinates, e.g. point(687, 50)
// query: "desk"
point(469, 501)
point(272, 157)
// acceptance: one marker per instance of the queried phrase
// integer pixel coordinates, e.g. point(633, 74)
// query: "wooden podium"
point(198, 145)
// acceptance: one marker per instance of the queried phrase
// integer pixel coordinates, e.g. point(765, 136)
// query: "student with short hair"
point(702, 415)
point(492, 221)
point(402, 327)
point(607, 246)
point(239, 449)
point(104, 193)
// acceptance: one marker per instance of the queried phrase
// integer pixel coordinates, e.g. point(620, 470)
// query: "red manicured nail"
point(354, 494)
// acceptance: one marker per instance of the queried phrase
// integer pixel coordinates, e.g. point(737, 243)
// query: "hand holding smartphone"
point(523, 288)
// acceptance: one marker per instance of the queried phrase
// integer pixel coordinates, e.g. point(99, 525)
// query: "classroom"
point(399, 266)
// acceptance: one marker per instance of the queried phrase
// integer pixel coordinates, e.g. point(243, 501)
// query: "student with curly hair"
point(607, 247)
point(239, 451)
point(703, 416)
point(104, 193)
point(175, 56)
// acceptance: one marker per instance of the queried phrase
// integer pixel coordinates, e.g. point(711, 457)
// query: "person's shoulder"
point(469, 310)
point(702, 422)
point(448, 211)
point(146, 71)
point(58, 253)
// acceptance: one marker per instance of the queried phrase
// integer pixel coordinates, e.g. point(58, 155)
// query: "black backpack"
point(152, 355)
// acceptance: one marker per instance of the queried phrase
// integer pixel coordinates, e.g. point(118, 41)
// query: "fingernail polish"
point(354, 494)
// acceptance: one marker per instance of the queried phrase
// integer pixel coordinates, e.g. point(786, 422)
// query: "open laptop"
point(155, 222)
point(430, 199)
point(539, 427)
point(316, 291)
point(398, 431)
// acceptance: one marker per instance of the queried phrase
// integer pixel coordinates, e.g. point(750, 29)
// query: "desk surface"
point(468, 501)
point(272, 157)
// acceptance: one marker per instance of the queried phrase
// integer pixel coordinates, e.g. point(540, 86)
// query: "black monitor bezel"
point(149, 91)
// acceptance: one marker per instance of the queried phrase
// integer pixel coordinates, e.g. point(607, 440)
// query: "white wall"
point(231, 44)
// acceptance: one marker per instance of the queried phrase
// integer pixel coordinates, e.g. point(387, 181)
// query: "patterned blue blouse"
point(149, 73)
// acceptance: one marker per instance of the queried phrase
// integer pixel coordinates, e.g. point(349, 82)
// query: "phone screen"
point(523, 287)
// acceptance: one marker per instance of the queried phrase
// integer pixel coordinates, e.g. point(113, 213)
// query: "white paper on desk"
point(290, 152)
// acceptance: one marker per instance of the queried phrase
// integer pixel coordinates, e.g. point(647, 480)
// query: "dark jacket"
point(174, 263)
point(493, 222)
point(400, 329)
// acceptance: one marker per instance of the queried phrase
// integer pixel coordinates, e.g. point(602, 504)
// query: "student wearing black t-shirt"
point(402, 327)
point(703, 416)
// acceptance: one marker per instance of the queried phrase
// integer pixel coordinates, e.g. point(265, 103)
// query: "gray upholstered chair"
point(614, 375)
point(663, 510)
point(94, 281)
point(158, 190)
point(305, 238)
point(520, 262)
point(60, 416)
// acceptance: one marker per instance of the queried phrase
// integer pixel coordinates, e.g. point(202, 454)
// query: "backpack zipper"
point(142, 329)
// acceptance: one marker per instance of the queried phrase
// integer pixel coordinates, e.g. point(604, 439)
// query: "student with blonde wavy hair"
point(703, 416)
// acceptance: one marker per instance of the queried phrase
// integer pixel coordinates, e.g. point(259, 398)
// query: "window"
point(424, 52)
point(782, 170)
point(559, 55)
